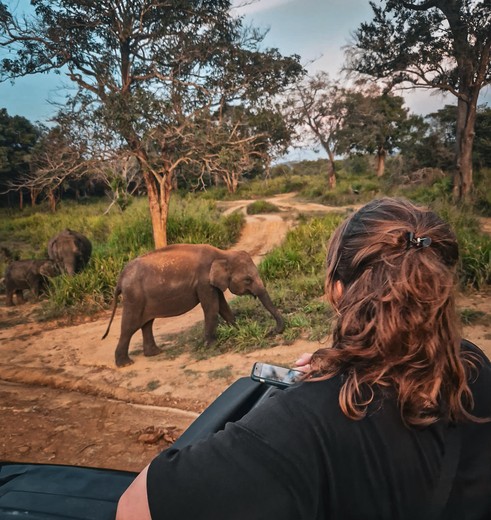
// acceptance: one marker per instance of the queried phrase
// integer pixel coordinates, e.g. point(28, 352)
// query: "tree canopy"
point(314, 106)
point(431, 44)
point(18, 136)
point(375, 123)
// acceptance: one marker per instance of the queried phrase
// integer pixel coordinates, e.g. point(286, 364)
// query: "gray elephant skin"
point(27, 274)
point(173, 280)
point(70, 250)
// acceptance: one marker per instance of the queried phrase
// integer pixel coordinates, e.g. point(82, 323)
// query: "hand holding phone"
point(303, 362)
point(275, 375)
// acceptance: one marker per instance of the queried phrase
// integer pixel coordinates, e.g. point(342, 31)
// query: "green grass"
point(474, 246)
point(221, 373)
point(473, 316)
point(153, 385)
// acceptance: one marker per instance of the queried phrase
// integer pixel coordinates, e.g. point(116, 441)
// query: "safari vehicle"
point(47, 491)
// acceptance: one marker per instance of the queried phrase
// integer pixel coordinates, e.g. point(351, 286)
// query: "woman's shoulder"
point(479, 378)
point(468, 346)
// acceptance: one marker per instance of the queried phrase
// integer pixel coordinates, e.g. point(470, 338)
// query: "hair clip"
point(412, 241)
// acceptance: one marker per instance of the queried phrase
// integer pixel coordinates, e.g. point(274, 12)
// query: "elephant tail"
point(117, 292)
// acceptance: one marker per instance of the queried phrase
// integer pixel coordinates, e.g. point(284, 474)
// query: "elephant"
point(70, 250)
point(173, 280)
point(27, 274)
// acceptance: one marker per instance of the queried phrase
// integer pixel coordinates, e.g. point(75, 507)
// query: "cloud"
point(248, 7)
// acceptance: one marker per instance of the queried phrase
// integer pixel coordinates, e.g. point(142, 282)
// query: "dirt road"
point(63, 401)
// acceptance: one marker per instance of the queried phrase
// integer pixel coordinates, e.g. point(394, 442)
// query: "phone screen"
point(273, 374)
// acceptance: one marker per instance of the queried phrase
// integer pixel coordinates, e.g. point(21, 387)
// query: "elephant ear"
point(220, 274)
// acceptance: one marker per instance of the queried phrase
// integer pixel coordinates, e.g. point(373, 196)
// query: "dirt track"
point(63, 401)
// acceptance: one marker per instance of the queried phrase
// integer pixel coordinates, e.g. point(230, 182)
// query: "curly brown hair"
point(397, 327)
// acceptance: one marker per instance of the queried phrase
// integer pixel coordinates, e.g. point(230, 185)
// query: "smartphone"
point(275, 375)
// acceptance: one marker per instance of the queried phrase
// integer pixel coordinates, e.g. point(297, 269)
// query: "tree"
point(432, 44)
point(314, 108)
point(54, 161)
point(436, 147)
point(240, 142)
point(482, 144)
point(374, 123)
point(143, 68)
point(18, 136)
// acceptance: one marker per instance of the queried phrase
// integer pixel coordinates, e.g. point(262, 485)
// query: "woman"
point(390, 423)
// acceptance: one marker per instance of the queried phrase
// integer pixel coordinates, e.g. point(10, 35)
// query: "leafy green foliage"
point(442, 46)
point(472, 316)
point(373, 123)
point(17, 139)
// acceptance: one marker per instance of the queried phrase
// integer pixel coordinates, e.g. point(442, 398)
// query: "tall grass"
point(261, 206)
point(474, 246)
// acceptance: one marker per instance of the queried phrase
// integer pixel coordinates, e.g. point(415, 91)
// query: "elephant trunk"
point(265, 299)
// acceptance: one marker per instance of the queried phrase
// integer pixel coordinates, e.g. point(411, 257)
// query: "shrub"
point(261, 206)
point(474, 246)
point(303, 251)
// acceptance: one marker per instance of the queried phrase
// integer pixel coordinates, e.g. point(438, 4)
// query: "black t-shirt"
point(297, 456)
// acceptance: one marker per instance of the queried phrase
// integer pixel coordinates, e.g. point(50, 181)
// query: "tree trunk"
point(159, 192)
point(231, 180)
point(331, 168)
point(381, 154)
point(21, 199)
point(51, 201)
point(466, 120)
point(34, 196)
point(331, 171)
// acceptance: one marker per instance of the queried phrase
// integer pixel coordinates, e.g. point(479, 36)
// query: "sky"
point(317, 30)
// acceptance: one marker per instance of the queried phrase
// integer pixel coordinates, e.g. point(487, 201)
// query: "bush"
point(261, 206)
point(474, 246)
point(303, 252)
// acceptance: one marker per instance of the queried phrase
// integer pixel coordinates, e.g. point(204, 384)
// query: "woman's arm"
point(133, 504)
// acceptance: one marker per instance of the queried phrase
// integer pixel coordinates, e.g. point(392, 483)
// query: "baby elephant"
point(70, 250)
point(173, 280)
point(27, 274)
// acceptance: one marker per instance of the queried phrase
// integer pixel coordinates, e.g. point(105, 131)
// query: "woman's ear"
point(220, 274)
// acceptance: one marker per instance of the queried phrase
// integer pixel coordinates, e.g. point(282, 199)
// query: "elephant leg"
point(121, 353)
point(149, 346)
point(225, 310)
point(20, 296)
point(129, 325)
point(9, 298)
point(211, 309)
point(35, 284)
